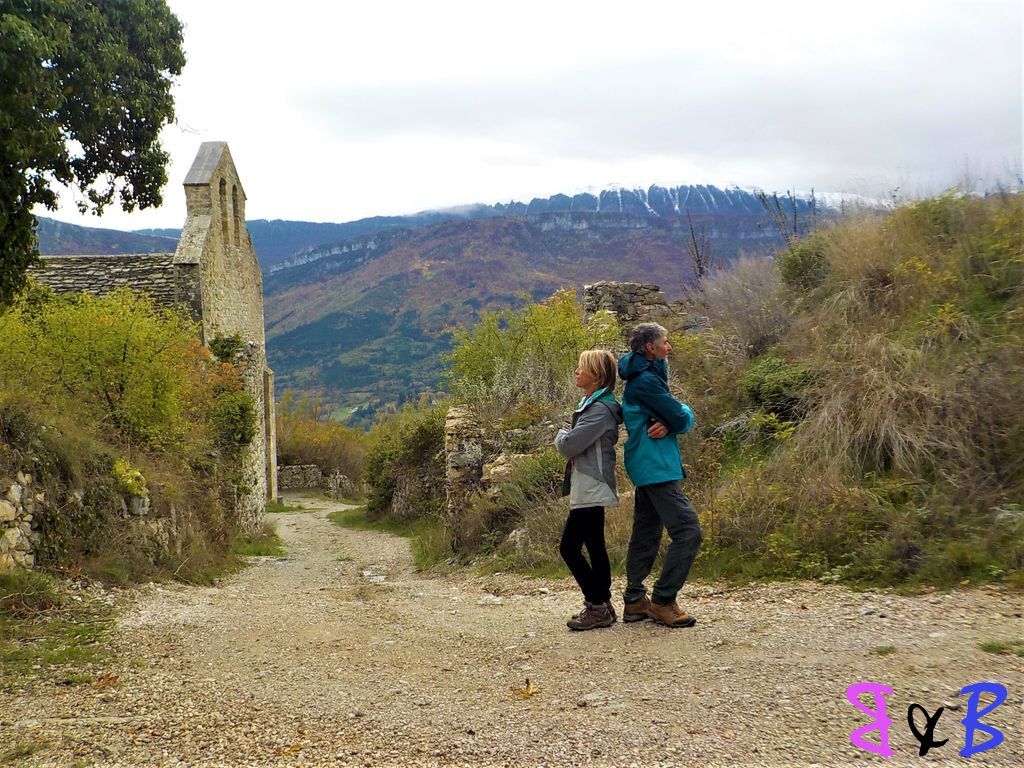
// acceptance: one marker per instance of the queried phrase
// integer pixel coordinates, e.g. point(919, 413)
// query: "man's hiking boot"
point(670, 615)
point(637, 610)
point(594, 616)
point(611, 610)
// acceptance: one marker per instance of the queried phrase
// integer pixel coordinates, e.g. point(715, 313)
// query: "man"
point(653, 419)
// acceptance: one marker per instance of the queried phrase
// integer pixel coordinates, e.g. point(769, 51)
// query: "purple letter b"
point(880, 723)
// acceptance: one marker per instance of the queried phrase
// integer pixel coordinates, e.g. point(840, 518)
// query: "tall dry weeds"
point(746, 300)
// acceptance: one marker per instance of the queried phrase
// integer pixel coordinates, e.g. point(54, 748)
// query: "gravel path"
point(341, 654)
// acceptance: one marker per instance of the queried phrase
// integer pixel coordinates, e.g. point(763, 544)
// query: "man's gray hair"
point(644, 334)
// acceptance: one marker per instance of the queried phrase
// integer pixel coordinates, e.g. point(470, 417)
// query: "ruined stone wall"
point(464, 458)
point(339, 486)
point(631, 303)
point(154, 273)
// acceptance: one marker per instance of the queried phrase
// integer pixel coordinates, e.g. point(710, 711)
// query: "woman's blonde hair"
point(599, 363)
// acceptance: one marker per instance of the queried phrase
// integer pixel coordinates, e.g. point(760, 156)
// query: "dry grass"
point(913, 437)
point(746, 299)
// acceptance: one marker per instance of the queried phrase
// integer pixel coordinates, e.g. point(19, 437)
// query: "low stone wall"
point(306, 476)
point(299, 476)
point(16, 534)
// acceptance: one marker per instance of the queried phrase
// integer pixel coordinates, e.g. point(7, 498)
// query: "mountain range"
point(361, 311)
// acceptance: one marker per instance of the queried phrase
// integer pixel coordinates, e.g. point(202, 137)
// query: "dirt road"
point(341, 654)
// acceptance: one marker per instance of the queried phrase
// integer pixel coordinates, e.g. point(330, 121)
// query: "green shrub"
point(776, 386)
point(408, 445)
point(525, 359)
point(234, 418)
point(805, 266)
point(106, 397)
point(130, 480)
point(226, 348)
point(903, 463)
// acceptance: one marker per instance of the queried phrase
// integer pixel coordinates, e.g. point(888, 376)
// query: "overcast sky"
point(339, 110)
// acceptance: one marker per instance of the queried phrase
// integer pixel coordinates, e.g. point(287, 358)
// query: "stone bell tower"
point(221, 282)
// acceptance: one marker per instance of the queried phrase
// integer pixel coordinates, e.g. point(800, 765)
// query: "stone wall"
point(254, 492)
point(631, 303)
point(16, 535)
point(307, 476)
point(339, 486)
point(464, 458)
point(293, 476)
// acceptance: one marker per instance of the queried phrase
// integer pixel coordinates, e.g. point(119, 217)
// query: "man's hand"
point(657, 430)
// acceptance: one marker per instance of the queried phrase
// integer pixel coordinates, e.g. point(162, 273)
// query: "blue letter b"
point(972, 721)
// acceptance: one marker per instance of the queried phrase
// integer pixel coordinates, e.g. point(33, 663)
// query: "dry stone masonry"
point(17, 538)
point(298, 476)
point(214, 274)
point(309, 476)
point(631, 303)
point(464, 457)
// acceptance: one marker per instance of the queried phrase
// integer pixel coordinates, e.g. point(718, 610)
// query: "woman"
point(589, 444)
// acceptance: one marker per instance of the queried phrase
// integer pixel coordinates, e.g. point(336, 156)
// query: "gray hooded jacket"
point(590, 446)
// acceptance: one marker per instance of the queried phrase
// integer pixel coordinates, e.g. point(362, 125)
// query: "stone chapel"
point(215, 275)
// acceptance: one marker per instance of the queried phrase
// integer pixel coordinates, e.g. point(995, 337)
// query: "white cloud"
point(340, 110)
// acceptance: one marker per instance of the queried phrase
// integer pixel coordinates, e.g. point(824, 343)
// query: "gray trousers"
point(656, 507)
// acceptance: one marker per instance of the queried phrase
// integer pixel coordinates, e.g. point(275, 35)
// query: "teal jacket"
point(646, 399)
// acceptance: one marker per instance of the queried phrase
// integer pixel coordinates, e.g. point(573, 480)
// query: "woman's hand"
point(657, 430)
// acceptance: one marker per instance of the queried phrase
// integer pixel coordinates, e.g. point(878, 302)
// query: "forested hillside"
point(367, 322)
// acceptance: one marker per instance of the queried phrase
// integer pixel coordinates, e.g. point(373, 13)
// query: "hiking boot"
point(594, 616)
point(637, 610)
point(670, 615)
point(611, 610)
point(608, 605)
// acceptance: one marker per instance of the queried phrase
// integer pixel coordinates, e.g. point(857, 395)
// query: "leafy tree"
point(84, 93)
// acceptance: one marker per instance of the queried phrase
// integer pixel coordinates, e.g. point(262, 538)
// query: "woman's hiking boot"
point(611, 610)
point(593, 616)
point(638, 610)
point(670, 615)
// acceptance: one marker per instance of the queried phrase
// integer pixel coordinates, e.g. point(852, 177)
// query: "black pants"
point(659, 507)
point(585, 527)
